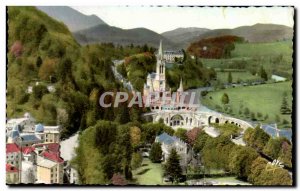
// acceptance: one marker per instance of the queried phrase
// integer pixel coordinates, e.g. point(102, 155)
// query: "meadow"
point(264, 101)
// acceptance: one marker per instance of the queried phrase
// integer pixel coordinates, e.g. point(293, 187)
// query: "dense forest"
point(215, 47)
point(42, 54)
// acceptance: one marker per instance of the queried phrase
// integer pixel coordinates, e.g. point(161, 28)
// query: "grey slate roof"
point(167, 139)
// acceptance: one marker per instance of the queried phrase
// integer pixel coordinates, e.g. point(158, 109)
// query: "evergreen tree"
point(229, 78)
point(155, 152)
point(225, 98)
point(263, 73)
point(172, 167)
point(284, 109)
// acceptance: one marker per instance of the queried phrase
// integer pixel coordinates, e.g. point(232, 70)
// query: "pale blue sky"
point(161, 19)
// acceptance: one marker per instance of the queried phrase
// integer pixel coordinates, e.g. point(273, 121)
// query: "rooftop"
point(53, 147)
point(12, 147)
point(46, 163)
point(53, 156)
point(30, 138)
point(167, 139)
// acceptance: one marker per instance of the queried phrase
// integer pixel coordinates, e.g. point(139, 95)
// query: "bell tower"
point(160, 68)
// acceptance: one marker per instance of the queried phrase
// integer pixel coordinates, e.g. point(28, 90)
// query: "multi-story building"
point(50, 168)
point(12, 174)
point(172, 56)
point(13, 155)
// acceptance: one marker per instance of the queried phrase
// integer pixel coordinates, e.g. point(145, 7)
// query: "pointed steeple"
point(180, 86)
point(160, 51)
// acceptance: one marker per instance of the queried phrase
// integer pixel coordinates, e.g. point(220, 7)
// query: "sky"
point(161, 19)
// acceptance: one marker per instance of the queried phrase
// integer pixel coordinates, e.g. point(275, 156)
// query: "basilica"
point(159, 95)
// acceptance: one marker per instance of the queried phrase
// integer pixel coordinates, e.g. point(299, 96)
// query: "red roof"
point(53, 147)
point(10, 168)
point(27, 150)
point(52, 156)
point(11, 148)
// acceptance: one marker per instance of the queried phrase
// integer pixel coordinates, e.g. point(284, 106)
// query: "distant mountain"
point(73, 19)
point(184, 36)
point(254, 33)
point(137, 36)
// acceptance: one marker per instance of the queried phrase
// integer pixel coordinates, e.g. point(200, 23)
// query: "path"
point(67, 147)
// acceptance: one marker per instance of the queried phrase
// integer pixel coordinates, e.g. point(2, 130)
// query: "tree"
point(172, 167)
point(273, 147)
point(284, 109)
point(38, 91)
point(135, 135)
point(155, 153)
point(39, 61)
point(47, 69)
point(257, 166)
point(263, 73)
point(136, 160)
point(246, 111)
point(256, 138)
point(192, 135)
point(225, 99)
point(229, 79)
point(181, 133)
point(105, 135)
point(240, 161)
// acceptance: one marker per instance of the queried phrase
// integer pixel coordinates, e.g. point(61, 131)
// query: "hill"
point(74, 20)
point(254, 33)
point(110, 34)
point(184, 36)
point(42, 53)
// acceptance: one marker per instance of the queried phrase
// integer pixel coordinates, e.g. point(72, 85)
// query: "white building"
point(278, 78)
point(168, 142)
point(171, 56)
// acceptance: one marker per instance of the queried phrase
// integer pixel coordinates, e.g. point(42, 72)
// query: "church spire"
point(180, 86)
point(160, 51)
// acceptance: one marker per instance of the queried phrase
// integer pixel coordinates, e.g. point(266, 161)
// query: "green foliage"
point(263, 73)
point(38, 91)
point(262, 175)
point(151, 130)
point(172, 166)
point(137, 67)
point(256, 138)
point(200, 142)
point(136, 160)
point(241, 159)
point(225, 98)
point(105, 135)
point(193, 74)
point(181, 133)
point(229, 78)
point(155, 153)
point(228, 129)
point(104, 149)
point(216, 151)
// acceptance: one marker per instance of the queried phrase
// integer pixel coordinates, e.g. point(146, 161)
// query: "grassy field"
point(265, 99)
point(149, 173)
point(257, 54)
point(236, 76)
point(248, 50)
